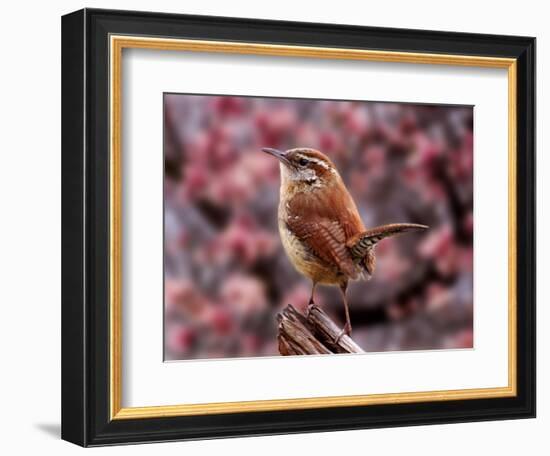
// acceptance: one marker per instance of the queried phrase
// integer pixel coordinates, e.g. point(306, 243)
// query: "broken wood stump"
point(314, 334)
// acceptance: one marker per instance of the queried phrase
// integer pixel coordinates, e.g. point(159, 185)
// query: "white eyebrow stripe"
point(314, 160)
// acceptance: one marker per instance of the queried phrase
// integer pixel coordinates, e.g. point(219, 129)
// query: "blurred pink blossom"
point(180, 339)
point(226, 273)
point(183, 297)
point(441, 248)
point(244, 294)
point(390, 264)
point(243, 240)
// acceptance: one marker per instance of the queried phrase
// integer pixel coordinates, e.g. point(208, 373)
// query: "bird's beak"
point(281, 156)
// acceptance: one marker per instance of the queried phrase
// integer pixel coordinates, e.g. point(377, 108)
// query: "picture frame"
point(92, 367)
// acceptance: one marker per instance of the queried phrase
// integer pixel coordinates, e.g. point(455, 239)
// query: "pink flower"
point(375, 159)
point(220, 320)
point(462, 339)
point(244, 241)
point(390, 264)
point(355, 121)
point(251, 344)
point(329, 141)
point(438, 242)
point(427, 151)
point(437, 297)
point(441, 247)
point(195, 181)
point(180, 339)
point(243, 294)
point(183, 297)
point(260, 167)
point(227, 106)
point(408, 125)
point(233, 186)
point(275, 124)
point(468, 223)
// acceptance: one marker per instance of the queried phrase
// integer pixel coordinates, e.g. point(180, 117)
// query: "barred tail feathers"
point(362, 243)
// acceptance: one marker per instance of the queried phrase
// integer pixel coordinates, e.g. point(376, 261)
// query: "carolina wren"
point(319, 224)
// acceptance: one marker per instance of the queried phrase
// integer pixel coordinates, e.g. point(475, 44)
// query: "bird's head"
point(303, 165)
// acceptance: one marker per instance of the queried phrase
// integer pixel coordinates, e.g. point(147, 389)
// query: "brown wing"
point(324, 221)
point(326, 240)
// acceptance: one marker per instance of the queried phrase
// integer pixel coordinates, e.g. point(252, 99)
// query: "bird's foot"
point(346, 331)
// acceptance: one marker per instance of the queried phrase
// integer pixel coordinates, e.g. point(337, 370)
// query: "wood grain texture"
point(315, 334)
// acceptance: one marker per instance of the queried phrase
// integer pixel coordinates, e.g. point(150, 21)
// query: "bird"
point(320, 227)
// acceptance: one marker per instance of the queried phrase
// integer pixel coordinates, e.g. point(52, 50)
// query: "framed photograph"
point(279, 227)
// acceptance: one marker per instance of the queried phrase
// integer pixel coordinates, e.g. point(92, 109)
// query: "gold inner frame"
point(117, 44)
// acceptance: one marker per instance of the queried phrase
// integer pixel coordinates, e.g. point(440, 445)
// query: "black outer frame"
point(85, 227)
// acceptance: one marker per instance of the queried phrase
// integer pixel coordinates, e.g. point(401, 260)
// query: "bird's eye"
point(302, 162)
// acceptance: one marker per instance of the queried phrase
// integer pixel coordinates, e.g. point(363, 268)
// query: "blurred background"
point(226, 274)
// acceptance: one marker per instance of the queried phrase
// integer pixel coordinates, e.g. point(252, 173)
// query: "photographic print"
point(301, 226)
point(233, 212)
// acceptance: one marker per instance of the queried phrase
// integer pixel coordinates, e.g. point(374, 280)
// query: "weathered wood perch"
point(315, 334)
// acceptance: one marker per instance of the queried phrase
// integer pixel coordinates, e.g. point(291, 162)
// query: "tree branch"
point(315, 335)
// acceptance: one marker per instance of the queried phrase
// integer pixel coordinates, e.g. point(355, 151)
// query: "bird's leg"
point(311, 301)
point(347, 327)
